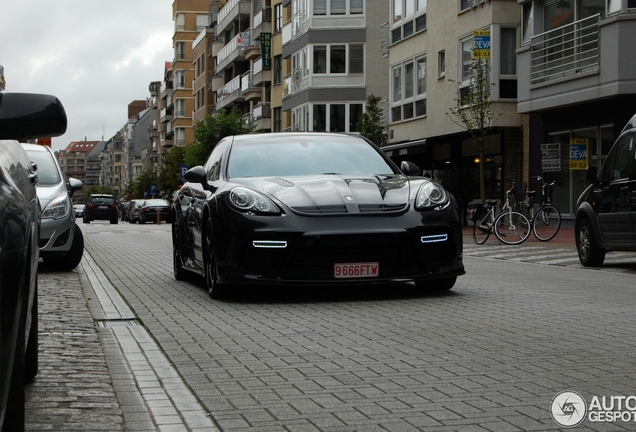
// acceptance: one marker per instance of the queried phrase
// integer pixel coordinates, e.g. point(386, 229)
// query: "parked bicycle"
point(509, 226)
point(546, 220)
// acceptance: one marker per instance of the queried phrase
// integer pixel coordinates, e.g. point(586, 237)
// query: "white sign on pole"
point(551, 157)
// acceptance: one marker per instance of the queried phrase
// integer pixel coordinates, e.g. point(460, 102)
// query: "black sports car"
point(312, 208)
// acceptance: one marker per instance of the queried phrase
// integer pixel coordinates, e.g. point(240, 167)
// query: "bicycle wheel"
point(512, 228)
point(547, 223)
point(482, 229)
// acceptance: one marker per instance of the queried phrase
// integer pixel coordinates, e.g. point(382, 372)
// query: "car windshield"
point(47, 167)
point(156, 203)
point(102, 200)
point(305, 155)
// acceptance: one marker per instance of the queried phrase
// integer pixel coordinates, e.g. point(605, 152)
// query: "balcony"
point(565, 51)
point(248, 89)
point(166, 89)
point(577, 63)
point(229, 93)
point(262, 77)
point(232, 11)
point(233, 51)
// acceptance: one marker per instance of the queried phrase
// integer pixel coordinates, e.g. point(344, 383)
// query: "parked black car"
point(606, 211)
point(150, 208)
point(133, 210)
point(101, 207)
point(22, 117)
point(312, 209)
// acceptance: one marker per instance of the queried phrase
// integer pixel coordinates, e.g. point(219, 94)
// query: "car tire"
point(74, 256)
point(114, 221)
point(436, 285)
point(31, 354)
point(209, 264)
point(180, 273)
point(590, 254)
point(86, 220)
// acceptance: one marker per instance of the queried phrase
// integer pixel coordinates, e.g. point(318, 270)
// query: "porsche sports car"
point(312, 208)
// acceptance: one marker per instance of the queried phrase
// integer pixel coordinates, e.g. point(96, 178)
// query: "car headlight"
point(245, 199)
point(57, 208)
point(430, 195)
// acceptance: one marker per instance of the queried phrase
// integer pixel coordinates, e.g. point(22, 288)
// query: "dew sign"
point(579, 159)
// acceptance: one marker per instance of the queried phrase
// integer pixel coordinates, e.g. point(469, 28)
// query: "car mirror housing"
point(409, 168)
point(591, 174)
point(25, 116)
point(196, 175)
point(73, 184)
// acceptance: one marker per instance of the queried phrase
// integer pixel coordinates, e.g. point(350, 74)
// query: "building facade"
point(431, 57)
point(577, 83)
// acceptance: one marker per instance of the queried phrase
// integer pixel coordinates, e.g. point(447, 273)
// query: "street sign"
point(481, 43)
point(184, 169)
point(551, 157)
point(153, 189)
point(579, 154)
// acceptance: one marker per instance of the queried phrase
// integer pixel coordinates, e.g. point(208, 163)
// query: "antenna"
point(104, 130)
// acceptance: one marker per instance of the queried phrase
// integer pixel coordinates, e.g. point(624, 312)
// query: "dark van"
point(606, 211)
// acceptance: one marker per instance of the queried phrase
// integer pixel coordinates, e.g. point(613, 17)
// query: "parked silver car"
point(61, 240)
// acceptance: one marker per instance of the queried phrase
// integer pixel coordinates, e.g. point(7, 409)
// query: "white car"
point(79, 210)
point(61, 240)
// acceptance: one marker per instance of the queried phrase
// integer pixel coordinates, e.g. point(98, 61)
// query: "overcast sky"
point(96, 56)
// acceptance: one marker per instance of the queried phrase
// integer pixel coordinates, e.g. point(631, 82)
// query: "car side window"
point(618, 164)
point(213, 165)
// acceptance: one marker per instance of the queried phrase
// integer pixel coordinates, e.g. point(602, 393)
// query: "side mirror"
point(409, 168)
point(196, 175)
point(591, 174)
point(73, 184)
point(25, 116)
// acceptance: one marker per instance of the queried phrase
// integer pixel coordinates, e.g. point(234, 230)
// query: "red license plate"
point(356, 270)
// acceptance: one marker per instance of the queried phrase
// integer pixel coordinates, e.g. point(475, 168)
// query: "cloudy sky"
point(96, 56)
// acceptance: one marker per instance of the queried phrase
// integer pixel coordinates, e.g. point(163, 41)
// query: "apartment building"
point(113, 157)
point(331, 62)
point(75, 158)
point(577, 83)
point(430, 45)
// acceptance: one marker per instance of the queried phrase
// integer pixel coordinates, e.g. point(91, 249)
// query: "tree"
point(97, 190)
point(208, 132)
point(141, 183)
point(370, 123)
point(474, 111)
point(169, 177)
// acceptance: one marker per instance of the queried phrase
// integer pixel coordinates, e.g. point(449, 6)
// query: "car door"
point(616, 194)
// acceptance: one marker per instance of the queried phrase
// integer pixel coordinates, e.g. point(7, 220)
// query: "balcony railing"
point(565, 51)
point(229, 88)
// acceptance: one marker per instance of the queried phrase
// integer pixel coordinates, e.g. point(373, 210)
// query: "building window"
point(278, 119)
point(337, 61)
point(356, 59)
point(527, 13)
point(278, 17)
point(408, 88)
point(466, 60)
point(337, 120)
point(355, 112)
point(278, 69)
point(441, 64)
point(320, 59)
point(338, 7)
point(409, 17)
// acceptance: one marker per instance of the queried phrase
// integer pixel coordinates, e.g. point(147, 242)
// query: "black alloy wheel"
point(211, 283)
point(590, 254)
point(180, 273)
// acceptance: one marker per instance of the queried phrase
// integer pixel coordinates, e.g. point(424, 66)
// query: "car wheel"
point(590, 254)
point(74, 256)
point(114, 221)
point(86, 220)
point(31, 354)
point(209, 264)
point(179, 273)
point(436, 285)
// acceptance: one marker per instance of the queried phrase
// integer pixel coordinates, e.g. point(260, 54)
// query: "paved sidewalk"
point(564, 238)
point(99, 369)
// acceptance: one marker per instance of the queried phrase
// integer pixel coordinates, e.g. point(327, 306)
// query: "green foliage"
point(97, 190)
point(209, 131)
point(370, 123)
point(170, 176)
point(141, 183)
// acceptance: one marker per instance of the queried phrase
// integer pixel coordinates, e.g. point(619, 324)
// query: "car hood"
point(48, 193)
point(333, 194)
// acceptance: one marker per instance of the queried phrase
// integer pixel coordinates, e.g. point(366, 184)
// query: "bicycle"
point(509, 226)
point(483, 221)
point(546, 221)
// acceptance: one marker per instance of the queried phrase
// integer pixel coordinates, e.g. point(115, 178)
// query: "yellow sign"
point(481, 44)
point(579, 156)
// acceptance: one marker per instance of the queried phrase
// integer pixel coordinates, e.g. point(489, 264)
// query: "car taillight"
point(113, 206)
point(146, 209)
point(90, 206)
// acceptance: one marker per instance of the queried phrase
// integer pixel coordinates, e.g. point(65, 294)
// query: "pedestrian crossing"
point(549, 255)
